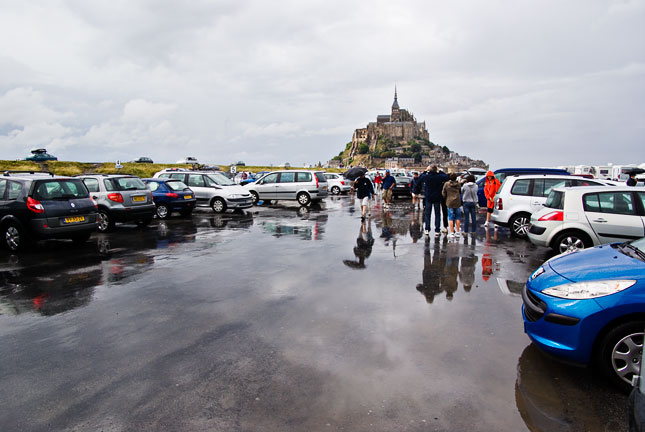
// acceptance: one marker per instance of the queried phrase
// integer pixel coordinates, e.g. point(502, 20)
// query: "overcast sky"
point(513, 82)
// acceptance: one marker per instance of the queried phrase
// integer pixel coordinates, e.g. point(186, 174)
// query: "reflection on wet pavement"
point(233, 322)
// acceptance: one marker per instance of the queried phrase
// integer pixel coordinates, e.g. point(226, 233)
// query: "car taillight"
point(409, 185)
point(172, 195)
point(35, 205)
point(116, 197)
point(342, 182)
point(553, 216)
point(316, 180)
point(500, 204)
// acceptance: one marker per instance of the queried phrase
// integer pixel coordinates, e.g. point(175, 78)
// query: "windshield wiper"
point(633, 250)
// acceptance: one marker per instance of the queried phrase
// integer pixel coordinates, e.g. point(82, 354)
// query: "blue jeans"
point(470, 212)
point(437, 215)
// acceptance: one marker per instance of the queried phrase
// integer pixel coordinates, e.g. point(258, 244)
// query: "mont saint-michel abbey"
point(399, 126)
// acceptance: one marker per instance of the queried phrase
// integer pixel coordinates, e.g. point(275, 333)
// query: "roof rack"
point(8, 172)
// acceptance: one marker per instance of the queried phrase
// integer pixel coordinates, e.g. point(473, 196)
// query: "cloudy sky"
point(513, 82)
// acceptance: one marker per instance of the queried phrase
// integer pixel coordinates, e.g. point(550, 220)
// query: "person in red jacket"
point(491, 186)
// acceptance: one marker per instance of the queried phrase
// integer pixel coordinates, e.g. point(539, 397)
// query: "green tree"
point(348, 145)
point(363, 148)
point(415, 147)
point(417, 157)
point(445, 149)
point(387, 154)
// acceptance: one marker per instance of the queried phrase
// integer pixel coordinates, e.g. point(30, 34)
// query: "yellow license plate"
point(188, 196)
point(74, 219)
point(138, 199)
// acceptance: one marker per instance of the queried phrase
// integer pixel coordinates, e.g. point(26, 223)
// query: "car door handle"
point(601, 220)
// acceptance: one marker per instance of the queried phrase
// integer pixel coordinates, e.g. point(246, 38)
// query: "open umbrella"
point(354, 173)
point(634, 170)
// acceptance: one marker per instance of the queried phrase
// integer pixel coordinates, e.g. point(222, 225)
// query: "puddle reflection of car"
point(47, 291)
point(231, 221)
point(120, 269)
point(588, 307)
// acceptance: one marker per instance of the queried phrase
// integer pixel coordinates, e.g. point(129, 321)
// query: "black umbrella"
point(634, 170)
point(354, 173)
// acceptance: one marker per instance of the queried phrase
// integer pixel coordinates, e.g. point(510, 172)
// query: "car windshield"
point(220, 179)
point(176, 185)
point(60, 189)
point(634, 248)
point(127, 183)
point(555, 200)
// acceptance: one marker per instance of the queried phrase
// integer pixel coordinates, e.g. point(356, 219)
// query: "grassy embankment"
point(140, 170)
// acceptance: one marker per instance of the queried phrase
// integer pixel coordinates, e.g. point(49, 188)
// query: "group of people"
point(449, 197)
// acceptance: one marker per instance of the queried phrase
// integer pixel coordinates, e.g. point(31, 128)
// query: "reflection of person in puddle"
point(487, 266)
point(449, 276)
point(363, 248)
point(386, 226)
point(415, 225)
point(467, 271)
point(433, 268)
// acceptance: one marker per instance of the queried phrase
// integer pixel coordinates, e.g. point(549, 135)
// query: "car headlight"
point(237, 196)
point(588, 290)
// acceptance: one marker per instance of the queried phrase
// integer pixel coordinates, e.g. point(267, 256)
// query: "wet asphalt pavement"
point(283, 319)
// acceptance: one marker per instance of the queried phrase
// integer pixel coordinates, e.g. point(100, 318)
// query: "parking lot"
point(284, 318)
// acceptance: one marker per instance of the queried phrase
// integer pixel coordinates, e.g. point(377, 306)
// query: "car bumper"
point(239, 203)
point(540, 234)
point(500, 218)
point(42, 228)
point(126, 214)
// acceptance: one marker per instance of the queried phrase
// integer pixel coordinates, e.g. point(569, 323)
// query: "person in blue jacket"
point(432, 182)
point(388, 184)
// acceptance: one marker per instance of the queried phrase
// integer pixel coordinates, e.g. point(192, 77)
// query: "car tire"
point(255, 197)
point(81, 238)
point(619, 353)
point(519, 225)
point(106, 223)
point(303, 199)
point(571, 241)
point(335, 190)
point(13, 237)
point(163, 212)
point(142, 223)
point(218, 205)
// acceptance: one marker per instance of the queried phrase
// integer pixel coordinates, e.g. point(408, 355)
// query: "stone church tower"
point(396, 112)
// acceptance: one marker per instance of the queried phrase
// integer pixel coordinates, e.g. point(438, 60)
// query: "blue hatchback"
point(171, 195)
point(588, 307)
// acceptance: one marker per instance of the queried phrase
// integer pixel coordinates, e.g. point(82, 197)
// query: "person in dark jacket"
point(388, 184)
point(432, 182)
point(415, 190)
point(631, 181)
point(364, 192)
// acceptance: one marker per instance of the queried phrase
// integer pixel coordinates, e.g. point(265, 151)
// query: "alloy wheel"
point(521, 226)
point(626, 356)
point(104, 221)
point(570, 243)
point(12, 237)
point(162, 211)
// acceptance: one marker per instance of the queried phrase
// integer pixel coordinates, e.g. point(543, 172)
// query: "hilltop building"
point(398, 128)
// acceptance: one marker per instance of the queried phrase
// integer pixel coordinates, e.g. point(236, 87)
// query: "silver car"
point(576, 218)
point(302, 186)
point(120, 198)
point(211, 188)
point(337, 184)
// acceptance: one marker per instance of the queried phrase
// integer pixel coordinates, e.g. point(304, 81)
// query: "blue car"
point(171, 195)
point(588, 308)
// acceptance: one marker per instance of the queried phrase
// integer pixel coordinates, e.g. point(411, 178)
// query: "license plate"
point(188, 196)
point(138, 199)
point(75, 219)
point(324, 187)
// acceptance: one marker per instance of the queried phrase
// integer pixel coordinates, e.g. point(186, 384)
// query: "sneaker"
point(485, 225)
point(495, 226)
point(369, 214)
point(451, 235)
point(437, 233)
point(426, 232)
point(363, 218)
point(465, 234)
point(444, 230)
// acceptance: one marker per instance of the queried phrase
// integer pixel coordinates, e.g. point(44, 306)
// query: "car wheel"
point(303, 199)
point(335, 190)
point(142, 223)
point(255, 197)
point(218, 205)
point(105, 221)
point(519, 225)
point(570, 242)
point(81, 238)
point(13, 236)
point(162, 211)
point(619, 353)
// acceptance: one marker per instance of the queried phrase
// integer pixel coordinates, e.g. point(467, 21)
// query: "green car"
point(40, 155)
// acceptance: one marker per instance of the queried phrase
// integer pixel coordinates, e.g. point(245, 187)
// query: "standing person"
point(444, 207)
point(491, 186)
point(415, 189)
point(450, 192)
point(631, 181)
point(364, 192)
point(469, 198)
point(377, 181)
point(432, 182)
point(388, 184)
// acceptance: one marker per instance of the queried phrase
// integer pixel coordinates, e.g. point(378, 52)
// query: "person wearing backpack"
point(451, 192)
point(469, 198)
point(415, 190)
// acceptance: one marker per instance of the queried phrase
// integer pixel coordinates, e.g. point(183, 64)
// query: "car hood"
point(602, 262)
point(236, 189)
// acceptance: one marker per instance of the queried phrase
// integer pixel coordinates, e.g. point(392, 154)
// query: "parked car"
point(402, 186)
point(36, 206)
point(636, 403)
point(211, 188)
point(577, 218)
point(188, 160)
point(502, 173)
point(519, 197)
point(302, 186)
point(143, 160)
point(41, 155)
point(588, 307)
point(337, 184)
point(171, 195)
point(120, 198)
